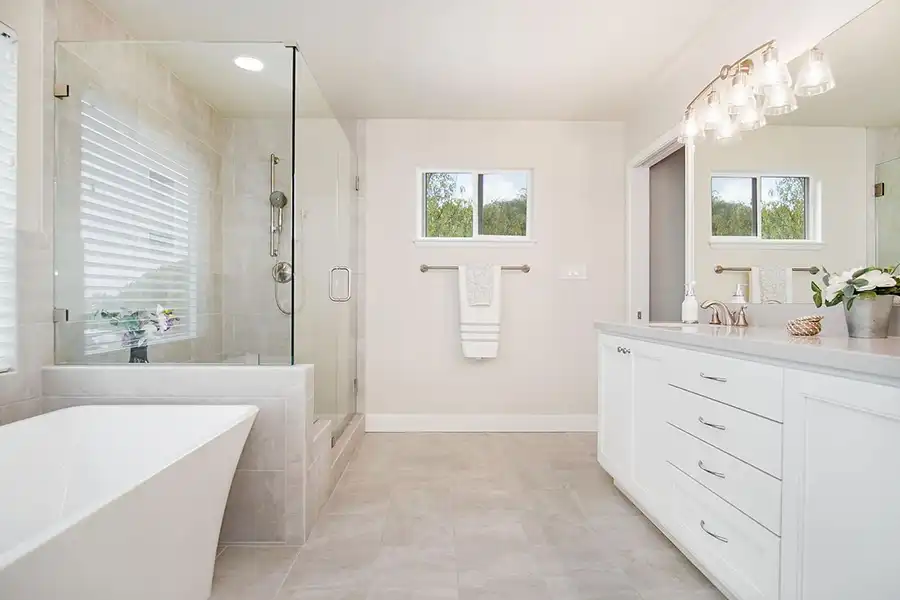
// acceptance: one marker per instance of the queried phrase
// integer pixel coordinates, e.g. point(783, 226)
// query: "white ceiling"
point(513, 59)
point(864, 55)
point(209, 70)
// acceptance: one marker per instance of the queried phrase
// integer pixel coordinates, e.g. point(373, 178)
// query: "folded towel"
point(479, 284)
point(771, 285)
point(479, 310)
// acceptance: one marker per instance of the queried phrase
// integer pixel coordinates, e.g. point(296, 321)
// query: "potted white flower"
point(867, 294)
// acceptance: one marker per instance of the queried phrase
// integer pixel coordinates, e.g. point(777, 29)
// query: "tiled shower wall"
point(252, 324)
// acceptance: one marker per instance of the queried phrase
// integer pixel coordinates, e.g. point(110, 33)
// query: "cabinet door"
point(841, 495)
point(648, 471)
point(614, 405)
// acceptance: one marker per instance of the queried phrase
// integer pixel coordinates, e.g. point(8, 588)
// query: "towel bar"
point(720, 269)
point(426, 268)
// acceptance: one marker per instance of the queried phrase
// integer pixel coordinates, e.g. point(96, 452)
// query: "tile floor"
point(470, 517)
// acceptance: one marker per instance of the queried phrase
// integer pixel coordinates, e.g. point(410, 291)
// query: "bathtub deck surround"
point(281, 479)
point(112, 502)
point(470, 517)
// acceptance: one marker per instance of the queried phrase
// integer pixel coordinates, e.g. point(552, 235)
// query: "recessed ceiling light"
point(248, 63)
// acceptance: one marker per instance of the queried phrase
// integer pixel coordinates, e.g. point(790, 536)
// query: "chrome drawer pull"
point(708, 532)
point(713, 425)
point(711, 378)
point(716, 473)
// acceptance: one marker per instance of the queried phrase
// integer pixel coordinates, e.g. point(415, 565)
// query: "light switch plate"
point(573, 272)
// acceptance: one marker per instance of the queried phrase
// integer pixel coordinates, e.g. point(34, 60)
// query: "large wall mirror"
point(817, 187)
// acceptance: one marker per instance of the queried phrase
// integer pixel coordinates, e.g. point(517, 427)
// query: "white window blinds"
point(139, 199)
point(8, 120)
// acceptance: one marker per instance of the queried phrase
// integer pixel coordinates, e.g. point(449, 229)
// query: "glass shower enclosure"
point(887, 213)
point(205, 212)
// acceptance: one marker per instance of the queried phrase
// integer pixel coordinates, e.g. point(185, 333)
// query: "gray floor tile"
point(470, 517)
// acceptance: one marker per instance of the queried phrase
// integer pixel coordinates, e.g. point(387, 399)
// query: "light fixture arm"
point(726, 70)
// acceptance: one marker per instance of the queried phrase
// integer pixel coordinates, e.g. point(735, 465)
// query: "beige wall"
point(835, 160)
point(547, 363)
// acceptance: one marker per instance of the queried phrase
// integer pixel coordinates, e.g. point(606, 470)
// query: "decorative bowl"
point(805, 326)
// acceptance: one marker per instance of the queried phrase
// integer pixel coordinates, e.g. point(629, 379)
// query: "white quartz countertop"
point(873, 358)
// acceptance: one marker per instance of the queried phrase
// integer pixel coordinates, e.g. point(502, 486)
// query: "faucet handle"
point(714, 319)
point(740, 320)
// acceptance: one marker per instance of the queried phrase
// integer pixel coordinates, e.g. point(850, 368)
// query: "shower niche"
point(205, 212)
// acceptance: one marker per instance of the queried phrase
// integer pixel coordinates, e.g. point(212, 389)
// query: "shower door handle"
point(349, 284)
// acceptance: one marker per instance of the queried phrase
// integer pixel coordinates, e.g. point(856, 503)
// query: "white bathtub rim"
point(30, 545)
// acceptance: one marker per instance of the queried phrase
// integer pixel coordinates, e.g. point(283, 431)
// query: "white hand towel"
point(479, 310)
point(771, 285)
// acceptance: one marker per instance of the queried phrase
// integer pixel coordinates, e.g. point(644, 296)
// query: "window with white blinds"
point(8, 142)
point(140, 194)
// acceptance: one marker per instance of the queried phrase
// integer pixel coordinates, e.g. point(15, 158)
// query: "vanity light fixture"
point(815, 77)
point(249, 63)
point(751, 116)
point(728, 131)
point(780, 100)
point(715, 113)
point(690, 126)
point(753, 87)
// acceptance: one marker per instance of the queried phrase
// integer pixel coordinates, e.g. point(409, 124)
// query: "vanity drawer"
point(739, 552)
point(752, 439)
point(755, 493)
point(754, 387)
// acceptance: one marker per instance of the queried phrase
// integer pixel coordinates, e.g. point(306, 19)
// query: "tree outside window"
point(474, 204)
point(763, 207)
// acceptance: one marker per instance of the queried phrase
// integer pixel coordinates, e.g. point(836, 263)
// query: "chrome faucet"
point(737, 318)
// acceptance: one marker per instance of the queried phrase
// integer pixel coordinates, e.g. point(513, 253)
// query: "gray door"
point(667, 238)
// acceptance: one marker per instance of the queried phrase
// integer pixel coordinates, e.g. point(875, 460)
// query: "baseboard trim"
point(473, 423)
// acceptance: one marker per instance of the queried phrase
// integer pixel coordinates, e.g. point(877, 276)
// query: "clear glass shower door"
point(887, 213)
point(325, 330)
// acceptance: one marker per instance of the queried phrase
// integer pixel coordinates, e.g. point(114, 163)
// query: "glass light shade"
point(774, 72)
point(740, 94)
point(715, 111)
point(728, 131)
point(690, 126)
point(751, 116)
point(815, 77)
point(780, 100)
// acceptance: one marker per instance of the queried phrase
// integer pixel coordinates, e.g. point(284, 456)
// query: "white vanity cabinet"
point(616, 392)
point(841, 527)
point(779, 483)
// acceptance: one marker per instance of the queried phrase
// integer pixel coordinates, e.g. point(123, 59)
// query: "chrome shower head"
point(277, 199)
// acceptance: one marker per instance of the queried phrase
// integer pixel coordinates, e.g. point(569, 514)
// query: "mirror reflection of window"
point(766, 207)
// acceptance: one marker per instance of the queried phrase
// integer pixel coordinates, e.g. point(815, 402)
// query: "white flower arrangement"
point(864, 282)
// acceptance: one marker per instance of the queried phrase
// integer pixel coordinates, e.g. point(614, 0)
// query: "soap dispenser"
point(690, 310)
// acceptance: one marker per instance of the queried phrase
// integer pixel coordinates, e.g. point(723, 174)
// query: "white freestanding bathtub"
point(116, 502)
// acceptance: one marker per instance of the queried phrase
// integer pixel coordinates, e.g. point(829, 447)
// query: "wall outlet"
point(573, 272)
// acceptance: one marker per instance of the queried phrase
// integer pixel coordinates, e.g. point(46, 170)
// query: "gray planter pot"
point(869, 318)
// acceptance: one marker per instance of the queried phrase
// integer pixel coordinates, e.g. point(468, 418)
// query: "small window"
point(475, 204)
point(764, 207)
